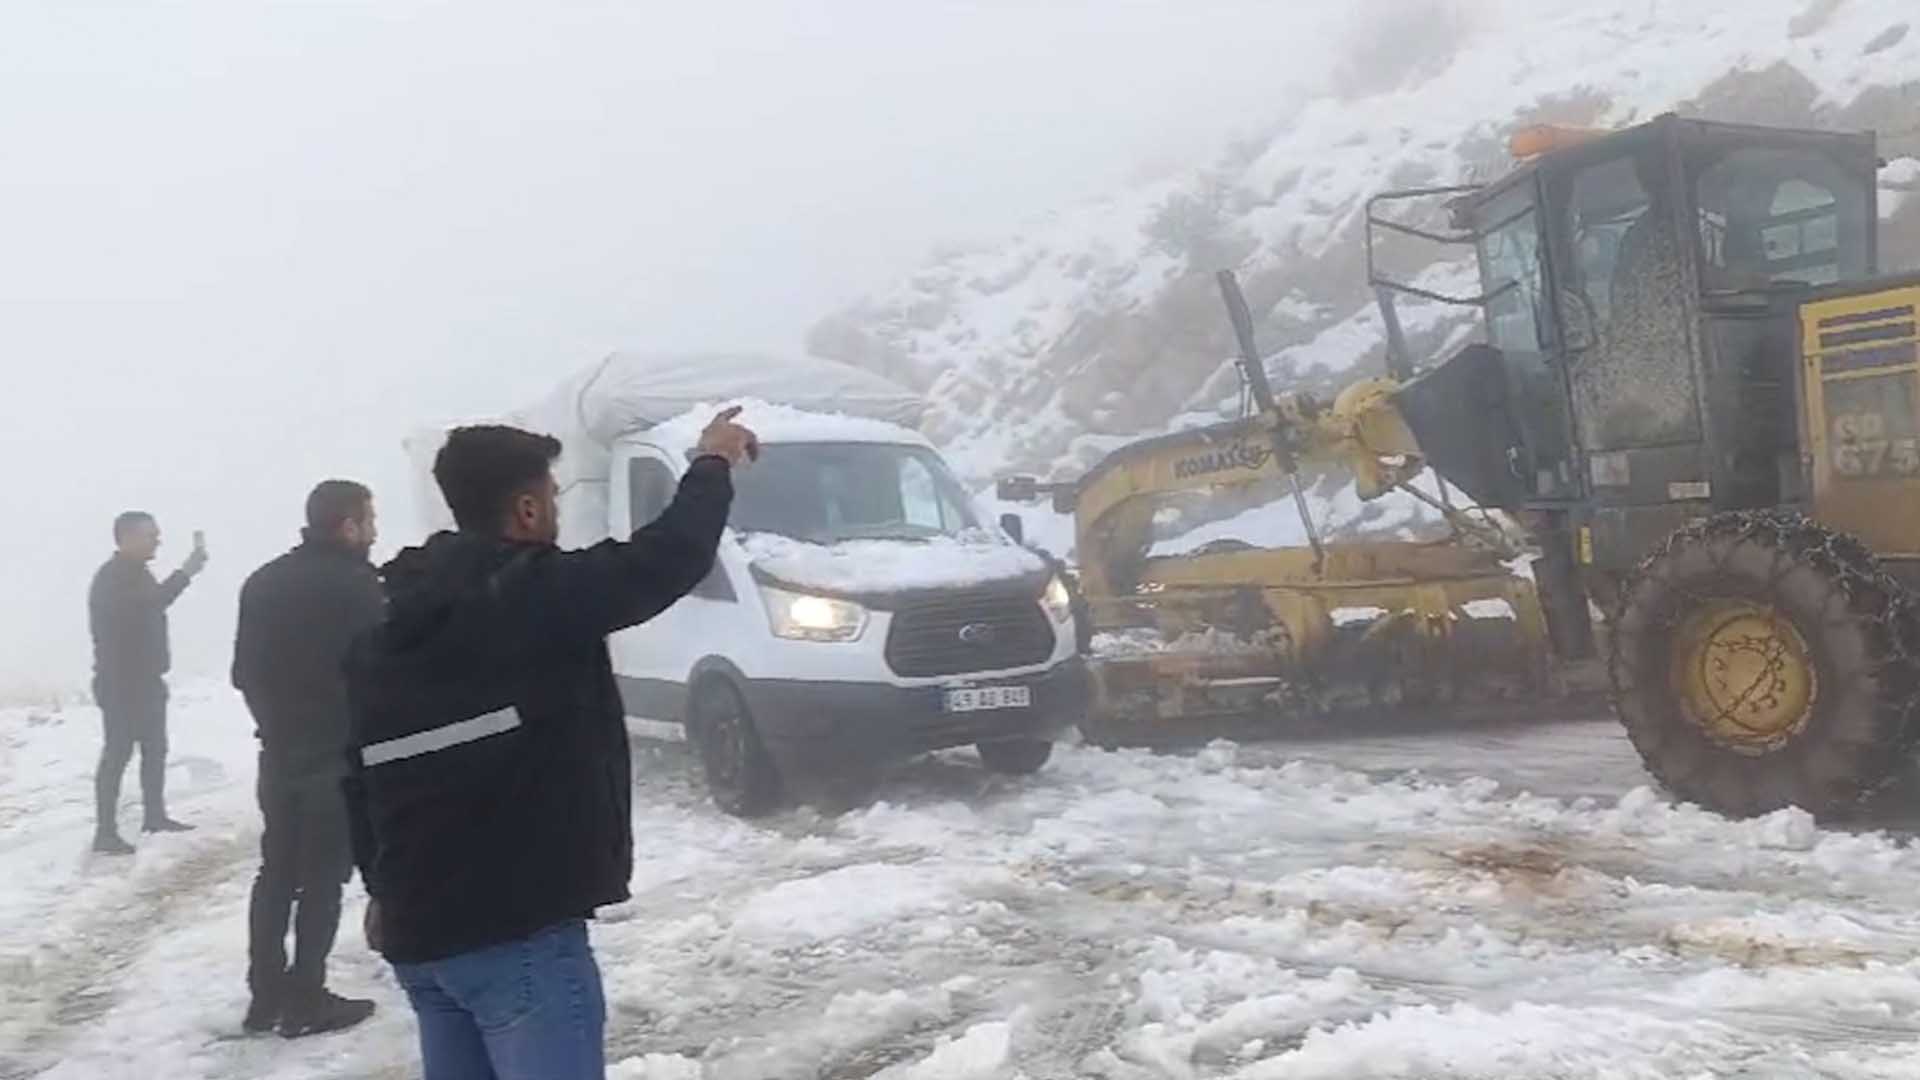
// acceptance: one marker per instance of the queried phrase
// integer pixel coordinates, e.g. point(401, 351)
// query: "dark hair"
point(125, 523)
point(481, 469)
point(333, 503)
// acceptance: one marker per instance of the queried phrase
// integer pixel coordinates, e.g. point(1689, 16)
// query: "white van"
point(860, 611)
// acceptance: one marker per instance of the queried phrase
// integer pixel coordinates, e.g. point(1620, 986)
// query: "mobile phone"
point(199, 540)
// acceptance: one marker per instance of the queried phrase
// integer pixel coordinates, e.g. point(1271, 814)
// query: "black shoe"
point(263, 1012)
point(166, 824)
point(322, 1013)
point(109, 843)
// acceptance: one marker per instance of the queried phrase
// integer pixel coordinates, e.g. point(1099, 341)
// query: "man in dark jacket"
point(489, 783)
point(127, 611)
point(298, 614)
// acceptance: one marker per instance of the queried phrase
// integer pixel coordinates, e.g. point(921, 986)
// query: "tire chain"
point(1872, 594)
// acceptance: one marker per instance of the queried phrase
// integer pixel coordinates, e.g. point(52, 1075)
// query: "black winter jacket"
point(488, 782)
point(298, 614)
point(127, 612)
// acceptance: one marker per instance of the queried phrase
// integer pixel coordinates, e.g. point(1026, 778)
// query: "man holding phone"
point(127, 612)
point(488, 783)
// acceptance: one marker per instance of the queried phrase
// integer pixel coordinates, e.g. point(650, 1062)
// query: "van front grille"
point(987, 629)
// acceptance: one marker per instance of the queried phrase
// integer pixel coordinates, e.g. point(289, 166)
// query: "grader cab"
point(1703, 403)
point(1643, 293)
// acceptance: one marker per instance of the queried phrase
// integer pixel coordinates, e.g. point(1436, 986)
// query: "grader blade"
point(1336, 655)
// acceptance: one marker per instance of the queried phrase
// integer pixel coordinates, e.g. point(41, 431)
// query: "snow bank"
point(870, 566)
point(1526, 1042)
point(840, 903)
point(977, 1055)
point(851, 1023)
point(1212, 1005)
point(1135, 642)
point(656, 1067)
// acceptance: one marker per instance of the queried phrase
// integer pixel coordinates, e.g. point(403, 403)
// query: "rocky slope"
point(1103, 322)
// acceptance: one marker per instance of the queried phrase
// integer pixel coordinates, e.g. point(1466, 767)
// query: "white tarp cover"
point(627, 392)
point(630, 391)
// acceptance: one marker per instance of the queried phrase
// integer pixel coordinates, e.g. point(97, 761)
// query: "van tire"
point(740, 774)
point(1015, 757)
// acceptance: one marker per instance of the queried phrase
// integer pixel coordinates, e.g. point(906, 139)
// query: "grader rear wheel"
point(1760, 661)
point(1745, 674)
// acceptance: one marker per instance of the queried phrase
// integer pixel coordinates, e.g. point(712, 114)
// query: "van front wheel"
point(1015, 757)
point(740, 774)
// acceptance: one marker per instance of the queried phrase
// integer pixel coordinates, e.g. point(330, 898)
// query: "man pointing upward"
point(489, 784)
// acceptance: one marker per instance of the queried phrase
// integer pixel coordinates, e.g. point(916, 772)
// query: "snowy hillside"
point(1103, 323)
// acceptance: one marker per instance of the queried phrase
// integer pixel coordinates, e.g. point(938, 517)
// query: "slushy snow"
point(1501, 905)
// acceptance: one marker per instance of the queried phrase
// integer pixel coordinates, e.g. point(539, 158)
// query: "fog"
point(248, 247)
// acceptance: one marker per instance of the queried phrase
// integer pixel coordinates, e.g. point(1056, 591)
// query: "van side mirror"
point(1015, 527)
point(1017, 489)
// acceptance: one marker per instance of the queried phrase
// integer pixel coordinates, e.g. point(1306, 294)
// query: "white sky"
point(244, 247)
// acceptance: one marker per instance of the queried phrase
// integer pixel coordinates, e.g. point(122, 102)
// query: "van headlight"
point(1058, 601)
point(805, 617)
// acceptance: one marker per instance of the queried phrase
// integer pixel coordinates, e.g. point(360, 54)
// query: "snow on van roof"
point(885, 566)
point(630, 391)
point(779, 424)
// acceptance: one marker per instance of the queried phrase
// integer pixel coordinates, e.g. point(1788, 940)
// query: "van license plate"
point(980, 698)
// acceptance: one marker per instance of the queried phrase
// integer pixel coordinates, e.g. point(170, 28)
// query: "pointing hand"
point(726, 439)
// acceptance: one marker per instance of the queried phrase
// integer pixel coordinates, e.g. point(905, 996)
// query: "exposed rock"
point(1887, 39)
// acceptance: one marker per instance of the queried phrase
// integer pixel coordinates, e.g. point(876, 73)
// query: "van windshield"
point(828, 492)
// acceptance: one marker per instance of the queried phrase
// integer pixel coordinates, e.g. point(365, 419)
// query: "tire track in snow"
point(1591, 965)
point(763, 1021)
point(80, 981)
point(1487, 901)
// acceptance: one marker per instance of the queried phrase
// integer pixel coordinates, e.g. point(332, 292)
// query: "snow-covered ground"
point(1495, 903)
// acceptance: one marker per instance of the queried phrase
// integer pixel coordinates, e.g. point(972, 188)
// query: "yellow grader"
point(1238, 639)
point(1696, 411)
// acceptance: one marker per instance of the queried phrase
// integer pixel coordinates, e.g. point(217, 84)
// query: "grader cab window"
point(1779, 216)
point(1608, 201)
point(1623, 298)
point(1514, 281)
point(1510, 271)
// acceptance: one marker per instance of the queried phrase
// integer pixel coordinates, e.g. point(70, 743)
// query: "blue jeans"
point(524, 1010)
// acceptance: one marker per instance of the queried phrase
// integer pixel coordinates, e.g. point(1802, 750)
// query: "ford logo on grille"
point(978, 633)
